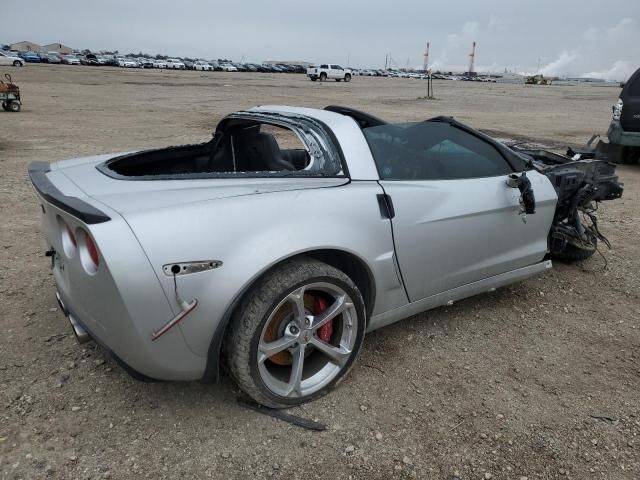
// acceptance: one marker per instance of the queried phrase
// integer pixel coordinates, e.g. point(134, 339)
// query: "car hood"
point(128, 196)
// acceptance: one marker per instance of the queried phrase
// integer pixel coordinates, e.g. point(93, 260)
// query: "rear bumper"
point(619, 136)
point(83, 335)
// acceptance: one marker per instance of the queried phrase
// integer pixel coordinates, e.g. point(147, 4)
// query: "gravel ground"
point(538, 380)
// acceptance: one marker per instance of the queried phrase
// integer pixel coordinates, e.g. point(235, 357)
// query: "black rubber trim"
point(72, 205)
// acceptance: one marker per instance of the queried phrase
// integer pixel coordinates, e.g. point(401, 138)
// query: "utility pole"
point(425, 66)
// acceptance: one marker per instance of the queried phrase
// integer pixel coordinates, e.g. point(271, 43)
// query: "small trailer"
point(10, 95)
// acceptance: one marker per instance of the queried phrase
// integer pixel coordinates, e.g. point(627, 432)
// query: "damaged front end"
point(580, 185)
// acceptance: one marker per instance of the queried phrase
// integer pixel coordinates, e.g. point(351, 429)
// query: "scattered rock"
point(225, 455)
point(364, 408)
point(75, 409)
point(378, 436)
point(406, 460)
point(350, 449)
point(488, 476)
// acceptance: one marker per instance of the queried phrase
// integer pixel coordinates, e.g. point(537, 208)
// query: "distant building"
point(57, 47)
point(26, 47)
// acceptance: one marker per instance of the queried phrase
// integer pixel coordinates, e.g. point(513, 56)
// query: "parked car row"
point(19, 59)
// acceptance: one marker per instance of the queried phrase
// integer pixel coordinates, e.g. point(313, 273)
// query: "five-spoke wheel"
point(296, 334)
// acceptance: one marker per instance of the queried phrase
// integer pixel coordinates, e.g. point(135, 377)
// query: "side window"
point(336, 67)
point(324, 66)
point(432, 151)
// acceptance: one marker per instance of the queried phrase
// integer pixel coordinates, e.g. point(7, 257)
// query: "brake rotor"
point(313, 304)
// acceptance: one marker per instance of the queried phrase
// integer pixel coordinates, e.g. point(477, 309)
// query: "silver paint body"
point(452, 239)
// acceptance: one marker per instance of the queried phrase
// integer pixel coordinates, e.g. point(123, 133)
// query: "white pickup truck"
point(329, 71)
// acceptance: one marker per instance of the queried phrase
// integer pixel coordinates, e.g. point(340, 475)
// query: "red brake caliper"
point(326, 330)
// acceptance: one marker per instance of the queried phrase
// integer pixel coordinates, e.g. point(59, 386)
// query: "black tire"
point(260, 304)
point(313, 79)
point(323, 77)
point(17, 63)
point(5, 107)
point(347, 78)
point(13, 107)
point(574, 253)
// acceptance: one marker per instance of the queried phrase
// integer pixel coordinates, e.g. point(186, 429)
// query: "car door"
point(456, 220)
point(336, 71)
point(4, 60)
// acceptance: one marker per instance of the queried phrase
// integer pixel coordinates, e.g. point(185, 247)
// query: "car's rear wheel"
point(17, 63)
point(296, 334)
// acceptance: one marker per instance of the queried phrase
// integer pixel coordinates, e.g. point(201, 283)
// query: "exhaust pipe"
point(81, 334)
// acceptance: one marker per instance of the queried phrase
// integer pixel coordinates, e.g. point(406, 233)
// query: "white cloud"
point(620, 70)
point(560, 65)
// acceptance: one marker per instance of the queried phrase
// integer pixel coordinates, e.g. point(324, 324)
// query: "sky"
point(554, 37)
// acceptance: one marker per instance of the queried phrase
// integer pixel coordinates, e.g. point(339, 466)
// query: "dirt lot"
point(538, 380)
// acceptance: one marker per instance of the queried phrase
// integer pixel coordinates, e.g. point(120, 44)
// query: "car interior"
point(255, 147)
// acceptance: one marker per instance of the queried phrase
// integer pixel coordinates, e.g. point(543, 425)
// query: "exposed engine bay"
point(580, 185)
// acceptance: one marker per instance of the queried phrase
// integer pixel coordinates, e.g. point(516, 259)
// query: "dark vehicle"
point(188, 64)
point(53, 58)
point(148, 63)
point(89, 59)
point(44, 57)
point(624, 130)
point(241, 67)
point(30, 57)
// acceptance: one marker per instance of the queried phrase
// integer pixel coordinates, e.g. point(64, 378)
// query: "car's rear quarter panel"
point(122, 303)
point(251, 233)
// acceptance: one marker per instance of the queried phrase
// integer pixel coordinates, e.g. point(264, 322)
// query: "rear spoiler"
point(72, 205)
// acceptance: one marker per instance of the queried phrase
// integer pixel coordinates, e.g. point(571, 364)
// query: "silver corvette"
point(272, 249)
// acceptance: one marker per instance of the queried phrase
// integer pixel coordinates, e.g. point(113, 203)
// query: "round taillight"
point(72, 237)
point(93, 251)
point(69, 242)
point(89, 254)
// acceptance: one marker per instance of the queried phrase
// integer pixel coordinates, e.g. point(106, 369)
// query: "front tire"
point(17, 63)
point(347, 78)
point(296, 334)
point(323, 77)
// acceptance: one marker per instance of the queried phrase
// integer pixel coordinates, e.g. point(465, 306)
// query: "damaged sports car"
point(270, 250)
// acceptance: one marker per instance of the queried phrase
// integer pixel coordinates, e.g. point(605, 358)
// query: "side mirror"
point(527, 198)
